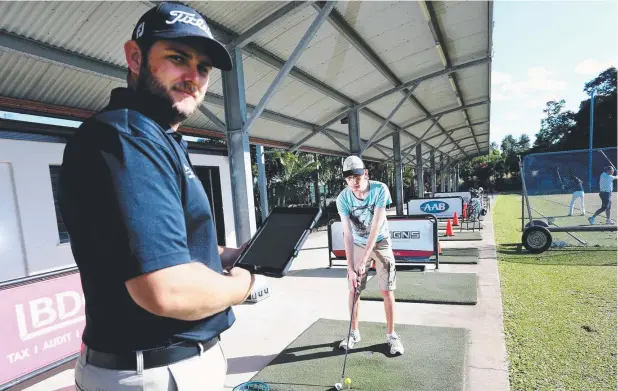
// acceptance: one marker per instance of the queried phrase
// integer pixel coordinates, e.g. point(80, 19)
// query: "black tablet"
point(273, 247)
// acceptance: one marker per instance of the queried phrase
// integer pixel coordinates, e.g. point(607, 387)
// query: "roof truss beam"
point(434, 26)
point(412, 84)
point(339, 23)
point(249, 35)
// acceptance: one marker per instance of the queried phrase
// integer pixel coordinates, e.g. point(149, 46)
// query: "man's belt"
point(152, 358)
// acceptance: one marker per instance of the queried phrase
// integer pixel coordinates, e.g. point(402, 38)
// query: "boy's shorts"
point(383, 256)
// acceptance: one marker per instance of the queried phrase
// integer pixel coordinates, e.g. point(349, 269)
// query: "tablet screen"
point(276, 241)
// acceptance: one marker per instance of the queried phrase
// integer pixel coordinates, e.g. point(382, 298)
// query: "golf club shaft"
point(610, 162)
point(349, 332)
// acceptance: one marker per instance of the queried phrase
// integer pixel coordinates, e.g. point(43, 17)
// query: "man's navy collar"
point(127, 98)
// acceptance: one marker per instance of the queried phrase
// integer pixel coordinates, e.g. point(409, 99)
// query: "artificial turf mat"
point(456, 259)
point(460, 251)
point(429, 287)
point(442, 225)
point(464, 235)
point(434, 359)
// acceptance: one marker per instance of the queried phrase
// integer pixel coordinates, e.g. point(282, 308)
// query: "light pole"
point(590, 148)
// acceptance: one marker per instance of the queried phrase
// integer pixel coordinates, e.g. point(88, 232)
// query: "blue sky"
point(546, 50)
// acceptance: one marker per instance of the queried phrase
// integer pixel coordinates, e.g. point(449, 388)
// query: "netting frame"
point(541, 229)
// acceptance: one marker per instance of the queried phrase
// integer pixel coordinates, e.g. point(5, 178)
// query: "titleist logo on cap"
point(188, 18)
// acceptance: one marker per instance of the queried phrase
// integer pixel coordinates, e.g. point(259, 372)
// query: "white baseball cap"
point(353, 165)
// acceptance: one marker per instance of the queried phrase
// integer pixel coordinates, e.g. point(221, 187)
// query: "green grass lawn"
point(559, 310)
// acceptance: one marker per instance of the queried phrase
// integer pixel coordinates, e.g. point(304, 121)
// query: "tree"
point(604, 84)
point(556, 126)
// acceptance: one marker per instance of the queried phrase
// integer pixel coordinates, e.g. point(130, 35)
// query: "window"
point(54, 172)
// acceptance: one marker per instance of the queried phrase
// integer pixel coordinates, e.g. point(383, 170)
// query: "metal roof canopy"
point(419, 69)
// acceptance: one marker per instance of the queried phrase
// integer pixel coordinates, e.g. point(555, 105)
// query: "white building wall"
point(29, 240)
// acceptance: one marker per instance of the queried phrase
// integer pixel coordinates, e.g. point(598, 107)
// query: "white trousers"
point(576, 195)
point(204, 372)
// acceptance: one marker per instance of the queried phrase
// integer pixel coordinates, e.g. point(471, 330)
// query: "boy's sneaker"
point(591, 220)
point(395, 343)
point(609, 221)
point(348, 343)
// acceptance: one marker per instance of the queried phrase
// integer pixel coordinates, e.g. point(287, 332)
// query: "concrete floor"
point(313, 291)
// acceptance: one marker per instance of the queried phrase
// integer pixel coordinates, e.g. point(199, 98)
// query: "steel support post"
point(442, 175)
point(398, 173)
point(238, 149)
point(432, 163)
point(354, 132)
point(259, 149)
point(419, 171)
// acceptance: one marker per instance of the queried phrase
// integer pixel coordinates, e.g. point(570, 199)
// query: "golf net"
point(563, 190)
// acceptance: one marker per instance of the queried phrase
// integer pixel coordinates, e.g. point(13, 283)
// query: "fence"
point(563, 191)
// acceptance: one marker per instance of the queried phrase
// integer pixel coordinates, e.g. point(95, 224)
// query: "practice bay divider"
point(414, 239)
point(440, 207)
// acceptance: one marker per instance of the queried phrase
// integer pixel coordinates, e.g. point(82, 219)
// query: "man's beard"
point(159, 99)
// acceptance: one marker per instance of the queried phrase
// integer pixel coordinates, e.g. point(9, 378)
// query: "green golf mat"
point(434, 359)
point(448, 259)
point(465, 235)
point(460, 251)
point(442, 226)
point(429, 287)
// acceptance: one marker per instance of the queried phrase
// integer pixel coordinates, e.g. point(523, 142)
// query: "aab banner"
point(440, 207)
point(410, 238)
point(42, 323)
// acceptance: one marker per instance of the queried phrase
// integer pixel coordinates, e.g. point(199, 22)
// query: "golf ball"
point(347, 381)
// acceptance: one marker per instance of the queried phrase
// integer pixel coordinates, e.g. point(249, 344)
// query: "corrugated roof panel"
point(215, 84)
point(464, 27)
point(478, 113)
point(404, 115)
point(329, 57)
point(397, 32)
point(472, 84)
point(368, 126)
point(436, 94)
point(322, 141)
point(452, 120)
point(94, 29)
point(31, 79)
point(460, 133)
point(277, 131)
point(237, 16)
point(200, 121)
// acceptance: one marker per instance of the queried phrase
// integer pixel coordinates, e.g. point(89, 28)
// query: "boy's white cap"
point(353, 165)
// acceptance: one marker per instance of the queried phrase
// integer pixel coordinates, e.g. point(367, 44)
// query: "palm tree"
point(294, 174)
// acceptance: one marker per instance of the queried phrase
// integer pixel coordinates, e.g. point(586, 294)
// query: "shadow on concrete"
point(238, 365)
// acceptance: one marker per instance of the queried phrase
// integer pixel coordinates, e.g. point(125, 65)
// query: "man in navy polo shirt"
point(158, 288)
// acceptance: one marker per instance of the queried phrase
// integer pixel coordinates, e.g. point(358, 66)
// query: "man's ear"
point(133, 55)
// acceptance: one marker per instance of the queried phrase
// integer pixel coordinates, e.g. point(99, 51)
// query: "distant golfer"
point(578, 192)
point(606, 187)
point(362, 208)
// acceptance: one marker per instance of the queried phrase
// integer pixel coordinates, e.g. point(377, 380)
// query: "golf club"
point(610, 162)
point(339, 386)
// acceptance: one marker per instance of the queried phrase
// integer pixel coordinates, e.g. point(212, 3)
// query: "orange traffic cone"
point(455, 219)
point(449, 228)
point(464, 213)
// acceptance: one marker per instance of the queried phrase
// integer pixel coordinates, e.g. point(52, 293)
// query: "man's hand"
point(230, 255)
point(246, 278)
point(352, 276)
point(360, 270)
